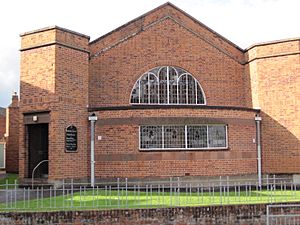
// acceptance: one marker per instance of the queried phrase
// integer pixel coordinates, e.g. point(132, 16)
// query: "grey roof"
point(2, 111)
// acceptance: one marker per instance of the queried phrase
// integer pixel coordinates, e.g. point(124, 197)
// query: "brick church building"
point(164, 95)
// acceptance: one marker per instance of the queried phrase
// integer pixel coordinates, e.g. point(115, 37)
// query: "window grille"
point(151, 137)
point(167, 85)
point(183, 137)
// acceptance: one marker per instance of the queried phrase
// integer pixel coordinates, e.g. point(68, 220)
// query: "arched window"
point(167, 85)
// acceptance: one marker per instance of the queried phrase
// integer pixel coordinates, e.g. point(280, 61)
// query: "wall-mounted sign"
point(71, 139)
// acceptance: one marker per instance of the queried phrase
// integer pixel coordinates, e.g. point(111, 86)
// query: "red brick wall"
point(168, 12)
point(12, 145)
point(274, 71)
point(2, 126)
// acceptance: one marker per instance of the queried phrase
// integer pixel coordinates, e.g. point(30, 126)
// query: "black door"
point(38, 149)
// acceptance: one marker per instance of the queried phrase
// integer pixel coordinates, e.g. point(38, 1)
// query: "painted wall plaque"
point(71, 139)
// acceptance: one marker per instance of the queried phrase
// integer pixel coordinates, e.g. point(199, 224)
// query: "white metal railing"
point(124, 193)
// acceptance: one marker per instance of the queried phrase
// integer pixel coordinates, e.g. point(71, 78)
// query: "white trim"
point(196, 92)
point(168, 85)
point(162, 137)
point(139, 91)
point(162, 104)
point(207, 138)
point(185, 136)
point(186, 149)
point(226, 127)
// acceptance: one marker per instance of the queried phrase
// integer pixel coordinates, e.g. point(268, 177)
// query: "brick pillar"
point(12, 131)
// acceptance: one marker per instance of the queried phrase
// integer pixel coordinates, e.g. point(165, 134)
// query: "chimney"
point(15, 100)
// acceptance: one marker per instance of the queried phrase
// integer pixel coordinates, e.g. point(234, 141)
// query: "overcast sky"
point(244, 22)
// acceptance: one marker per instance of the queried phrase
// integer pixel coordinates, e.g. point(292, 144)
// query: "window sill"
point(185, 150)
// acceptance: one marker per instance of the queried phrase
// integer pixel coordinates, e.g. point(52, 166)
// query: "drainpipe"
point(258, 144)
point(93, 118)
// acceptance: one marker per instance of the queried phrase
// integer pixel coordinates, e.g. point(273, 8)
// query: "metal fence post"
point(178, 192)
point(24, 198)
point(170, 191)
point(267, 215)
point(220, 190)
point(15, 194)
point(42, 197)
point(6, 193)
point(126, 189)
point(118, 189)
point(72, 193)
point(50, 193)
point(63, 205)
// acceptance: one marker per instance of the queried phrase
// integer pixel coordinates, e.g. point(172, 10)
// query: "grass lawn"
point(90, 200)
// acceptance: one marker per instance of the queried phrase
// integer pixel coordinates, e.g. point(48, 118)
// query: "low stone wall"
point(233, 214)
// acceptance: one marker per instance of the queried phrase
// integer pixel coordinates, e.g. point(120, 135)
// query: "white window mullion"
point(158, 83)
point(163, 137)
point(148, 88)
point(207, 138)
point(177, 86)
point(185, 136)
point(168, 87)
point(226, 137)
point(139, 90)
point(196, 91)
point(186, 88)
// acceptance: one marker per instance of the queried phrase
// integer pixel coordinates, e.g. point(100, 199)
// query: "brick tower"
point(53, 96)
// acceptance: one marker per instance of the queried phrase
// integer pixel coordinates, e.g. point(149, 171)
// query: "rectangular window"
point(183, 137)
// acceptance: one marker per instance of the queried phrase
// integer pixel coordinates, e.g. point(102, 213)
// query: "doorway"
point(37, 150)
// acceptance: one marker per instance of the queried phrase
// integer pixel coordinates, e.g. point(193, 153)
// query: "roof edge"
point(131, 21)
point(52, 28)
point(178, 9)
point(272, 42)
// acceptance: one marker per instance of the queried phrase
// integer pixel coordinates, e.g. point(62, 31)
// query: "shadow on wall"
point(67, 106)
point(280, 147)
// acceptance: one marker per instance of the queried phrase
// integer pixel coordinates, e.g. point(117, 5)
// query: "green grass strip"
point(100, 200)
